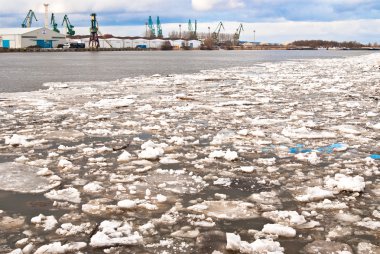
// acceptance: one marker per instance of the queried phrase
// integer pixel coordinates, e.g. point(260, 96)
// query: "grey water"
point(23, 72)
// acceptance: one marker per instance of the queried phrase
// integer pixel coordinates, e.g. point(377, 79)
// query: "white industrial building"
point(194, 44)
point(156, 43)
point(140, 43)
point(128, 43)
point(27, 37)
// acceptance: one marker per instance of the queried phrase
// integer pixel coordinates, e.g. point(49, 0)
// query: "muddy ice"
point(276, 158)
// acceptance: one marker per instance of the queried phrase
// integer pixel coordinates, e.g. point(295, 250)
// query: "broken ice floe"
point(229, 210)
point(25, 179)
point(115, 233)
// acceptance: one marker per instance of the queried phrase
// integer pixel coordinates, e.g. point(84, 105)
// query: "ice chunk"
point(111, 103)
point(70, 194)
point(217, 154)
point(259, 246)
point(24, 179)
point(325, 247)
point(63, 163)
point(56, 248)
point(16, 140)
point(127, 204)
point(47, 222)
point(279, 230)
point(68, 229)
point(223, 181)
point(93, 187)
point(368, 248)
point(230, 210)
point(313, 194)
point(289, 218)
point(247, 169)
point(342, 182)
point(304, 133)
point(124, 157)
point(231, 155)
point(115, 233)
point(151, 151)
point(312, 157)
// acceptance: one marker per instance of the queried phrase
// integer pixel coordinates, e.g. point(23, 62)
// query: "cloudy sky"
point(273, 20)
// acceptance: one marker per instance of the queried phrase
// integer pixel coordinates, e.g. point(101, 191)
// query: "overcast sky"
point(273, 20)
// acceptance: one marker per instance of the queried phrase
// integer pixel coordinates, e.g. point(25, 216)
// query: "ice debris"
point(234, 243)
point(115, 233)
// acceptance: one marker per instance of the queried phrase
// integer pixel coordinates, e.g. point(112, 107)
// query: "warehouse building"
point(27, 37)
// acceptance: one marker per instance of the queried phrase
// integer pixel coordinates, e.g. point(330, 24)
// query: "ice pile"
point(115, 233)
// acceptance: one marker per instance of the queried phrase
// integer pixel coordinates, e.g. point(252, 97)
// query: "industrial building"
point(28, 37)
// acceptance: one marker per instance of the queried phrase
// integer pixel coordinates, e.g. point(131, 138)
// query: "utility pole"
point(209, 32)
point(146, 29)
point(254, 37)
point(46, 15)
point(180, 32)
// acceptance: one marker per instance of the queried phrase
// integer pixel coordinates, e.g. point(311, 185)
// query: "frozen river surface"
point(279, 157)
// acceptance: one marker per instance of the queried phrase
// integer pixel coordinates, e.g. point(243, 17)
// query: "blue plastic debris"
point(375, 156)
point(326, 149)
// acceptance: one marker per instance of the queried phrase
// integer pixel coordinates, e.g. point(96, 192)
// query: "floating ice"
point(230, 210)
point(304, 133)
point(124, 157)
point(111, 103)
point(127, 204)
point(70, 195)
point(268, 246)
point(279, 230)
point(308, 194)
point(327, 247)
point(57, 247)
point(69, 229)
point(25, 179)
point(93, 187)
point(288, 218)
point(47, 222)
point(342, 182)
point(115, 233)
point(16, 140)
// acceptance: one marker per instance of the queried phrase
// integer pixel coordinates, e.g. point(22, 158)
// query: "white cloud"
point(202, 5)
point(207, 5)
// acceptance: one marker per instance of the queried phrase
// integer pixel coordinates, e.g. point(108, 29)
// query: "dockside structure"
point(29, 37)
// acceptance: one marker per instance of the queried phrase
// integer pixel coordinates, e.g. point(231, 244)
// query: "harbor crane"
point(159, 28)
point(152, 31)
point(94, 37)
point(69, 27)
point(192, 32)
point(53, 23)
point(216, 33)
point(237, 35)
point(28, 19)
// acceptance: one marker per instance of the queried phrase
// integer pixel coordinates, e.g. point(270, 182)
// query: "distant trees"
point(327, 44)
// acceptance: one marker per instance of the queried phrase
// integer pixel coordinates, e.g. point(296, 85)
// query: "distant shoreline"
point(29, 50)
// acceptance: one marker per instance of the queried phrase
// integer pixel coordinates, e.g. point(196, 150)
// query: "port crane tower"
point(152, 31)
point(193, 32)
point(94, 37)
point(159, 28)
point(216, 33)
point(237, 35)
point(28, 19)
point(69, 27)
point(53, 23)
